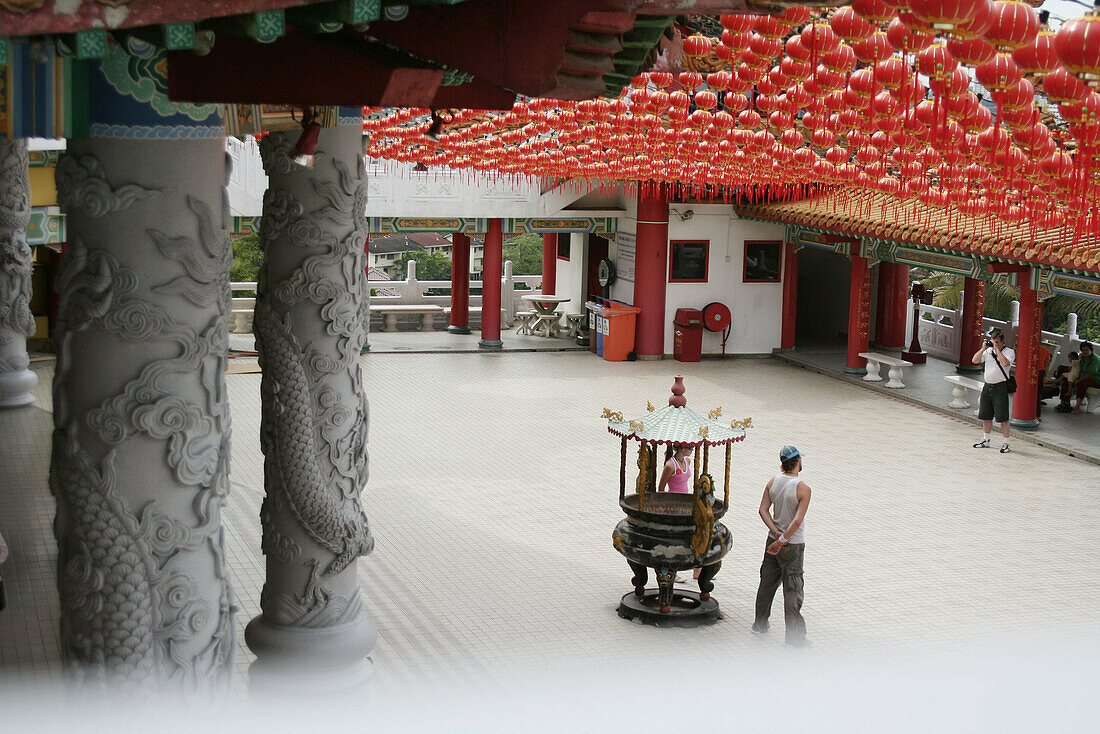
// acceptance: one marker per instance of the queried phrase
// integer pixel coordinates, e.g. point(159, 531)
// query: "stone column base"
point(16, 386)
point(323, 658)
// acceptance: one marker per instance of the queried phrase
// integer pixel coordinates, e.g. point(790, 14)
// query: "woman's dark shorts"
point(994, 402)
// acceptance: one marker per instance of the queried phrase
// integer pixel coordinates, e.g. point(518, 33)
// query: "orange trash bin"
point(618, 324)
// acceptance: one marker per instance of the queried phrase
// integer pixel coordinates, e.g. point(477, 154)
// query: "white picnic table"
point(547, 320)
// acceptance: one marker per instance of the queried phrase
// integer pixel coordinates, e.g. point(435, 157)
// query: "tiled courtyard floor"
point(493, 496)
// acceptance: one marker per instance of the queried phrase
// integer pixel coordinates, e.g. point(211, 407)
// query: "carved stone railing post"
point(16, 321)
point(313, 429)
point(141, 441)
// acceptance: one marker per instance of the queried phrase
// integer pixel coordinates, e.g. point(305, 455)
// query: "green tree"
point(429, 266)
point(247, 259)
point(525, 252)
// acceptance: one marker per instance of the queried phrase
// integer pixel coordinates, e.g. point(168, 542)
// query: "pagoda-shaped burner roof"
point(678, 424)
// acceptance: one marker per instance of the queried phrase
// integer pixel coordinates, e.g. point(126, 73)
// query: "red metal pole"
point(651, 270)
point(859, 316)
point(490, 287)
point(970, 336)
point(790, 296)
point(549, 264)
point(1027, 357)
point(460, 284)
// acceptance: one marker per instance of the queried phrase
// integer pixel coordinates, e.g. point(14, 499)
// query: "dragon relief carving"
point(132, 609)
point(331, 515)
point(15, 254)
point(313, 438)
point(125, 610)
point(82, 186)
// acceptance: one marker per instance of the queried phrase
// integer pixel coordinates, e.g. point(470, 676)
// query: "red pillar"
point(490, 287)
point(1027, 357)
point(651, 270)
point(550, 264)
point(790, 296)
point(460, 284)
point(893, 305)
point(970, 337)
point(859, 316)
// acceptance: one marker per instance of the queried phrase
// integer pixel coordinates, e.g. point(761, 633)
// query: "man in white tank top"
point(783, 508)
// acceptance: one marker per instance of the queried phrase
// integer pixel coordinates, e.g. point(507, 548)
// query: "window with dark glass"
point(762, 261)
point(687, 261)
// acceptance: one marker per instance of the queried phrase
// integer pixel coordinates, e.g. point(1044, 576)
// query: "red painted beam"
point(511, 44)
point(303, 69)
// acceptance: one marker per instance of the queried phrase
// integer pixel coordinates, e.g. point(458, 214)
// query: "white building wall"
point(247, 180)
point(394, 189)
point(757, 307)
point(572, 275)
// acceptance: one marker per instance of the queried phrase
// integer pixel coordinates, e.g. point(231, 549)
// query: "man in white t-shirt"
point(997, 359)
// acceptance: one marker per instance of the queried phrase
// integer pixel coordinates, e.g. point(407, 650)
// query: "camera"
point(988, 343)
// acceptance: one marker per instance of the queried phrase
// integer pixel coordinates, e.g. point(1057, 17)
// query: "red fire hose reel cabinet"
point(687, 335)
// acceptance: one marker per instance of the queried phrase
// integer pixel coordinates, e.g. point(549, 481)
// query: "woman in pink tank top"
point(676, 476)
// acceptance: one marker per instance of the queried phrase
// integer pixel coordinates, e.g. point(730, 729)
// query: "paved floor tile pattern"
point(493, 496)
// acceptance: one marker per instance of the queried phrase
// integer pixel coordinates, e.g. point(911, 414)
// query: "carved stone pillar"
point(141, 441)
point(314, 413)
point(16, 321)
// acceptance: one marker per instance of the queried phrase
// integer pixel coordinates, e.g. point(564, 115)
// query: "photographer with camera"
point(997, 359)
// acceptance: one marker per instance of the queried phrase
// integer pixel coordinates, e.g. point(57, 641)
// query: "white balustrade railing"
point(412, 291)
point(940, 338)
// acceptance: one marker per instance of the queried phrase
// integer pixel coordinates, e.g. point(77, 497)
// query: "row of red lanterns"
point(869, 127)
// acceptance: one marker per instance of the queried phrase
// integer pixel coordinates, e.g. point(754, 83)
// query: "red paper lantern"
point(781, 120)
point(849, 25)
point(706, 99)
point(1077, 44)
point(873, 49)
point(690, 79)
point(972, 52)
point(906, 39)
point(795, 16)
point(767, 25)
point(819, 38)
point(697, 45)
point(999, 73)
point(892, 73)
point(804, 157)
point(1015, 25)
point(1038, 57)
point(840, 60)
point(1062, 86)
point(765, 48)
point(738, 23)
point(1019, 96)
point(1085, 112)
point(791, 139)
point(946, 15)
point(874, 11)
point(935, 62)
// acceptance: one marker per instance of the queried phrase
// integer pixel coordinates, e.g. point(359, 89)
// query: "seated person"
point(1067, 372)
point(1088, 376)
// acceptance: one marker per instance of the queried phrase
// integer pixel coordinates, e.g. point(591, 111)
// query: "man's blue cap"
point(789, 452)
